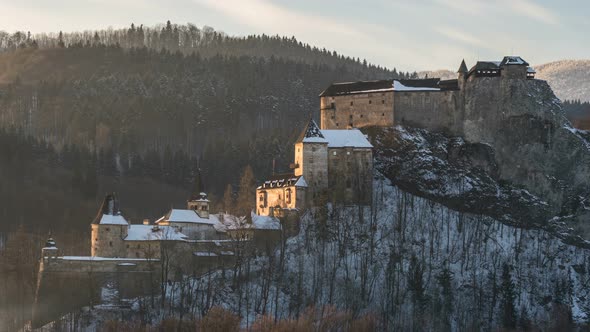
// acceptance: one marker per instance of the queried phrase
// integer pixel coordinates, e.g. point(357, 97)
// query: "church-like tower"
point(198, 201)
point(109, 229)
point(311, 159)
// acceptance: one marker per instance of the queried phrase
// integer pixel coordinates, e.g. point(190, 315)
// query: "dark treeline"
point(141, 104)
point(188, 39)
point(578, 113)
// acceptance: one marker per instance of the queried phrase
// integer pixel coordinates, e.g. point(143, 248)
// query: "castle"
point(330, 164)
point(434, 104)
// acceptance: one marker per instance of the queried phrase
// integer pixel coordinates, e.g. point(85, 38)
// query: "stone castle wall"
point(107, 240)
point(356, 110)
point(351, 174)
point(439, 111)
point(312, 161)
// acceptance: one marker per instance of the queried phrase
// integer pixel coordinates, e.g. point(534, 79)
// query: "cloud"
point(460, 36)
point(534, 11)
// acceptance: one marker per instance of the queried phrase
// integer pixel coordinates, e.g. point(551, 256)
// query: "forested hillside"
point(568, 78)
point(153, 104)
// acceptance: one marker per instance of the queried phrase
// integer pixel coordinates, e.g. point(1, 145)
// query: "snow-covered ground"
point(390, 260)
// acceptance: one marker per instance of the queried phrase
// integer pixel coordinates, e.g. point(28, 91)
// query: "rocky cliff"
point(519, 160)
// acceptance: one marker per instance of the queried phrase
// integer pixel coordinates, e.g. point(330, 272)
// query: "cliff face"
point(535, 146)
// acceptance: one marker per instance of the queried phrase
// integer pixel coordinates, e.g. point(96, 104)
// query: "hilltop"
point(569, 79)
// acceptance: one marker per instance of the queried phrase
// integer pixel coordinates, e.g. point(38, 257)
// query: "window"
point(348, 183)
point(370, 102)
point(334, 153)
point(383, 101)
point(351, 103)
point(107, 229)
point(298, 150)
point(361, 115)
point(333, 105)
point(127, 246)
point(204, 208)
point(138, 246)
point(332, 117)
point(137, 254)
point(110, 244)
point(350, 116)
point(336, 124)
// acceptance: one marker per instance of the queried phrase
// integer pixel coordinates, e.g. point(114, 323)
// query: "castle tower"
point(109, 229)
point(462, 74)
point(198, 200)
point(311, 159)
point(49, 251)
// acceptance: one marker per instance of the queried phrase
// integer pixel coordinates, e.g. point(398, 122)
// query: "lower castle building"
point(335, 165)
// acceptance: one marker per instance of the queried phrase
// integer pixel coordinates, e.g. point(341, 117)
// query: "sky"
point(408, 35)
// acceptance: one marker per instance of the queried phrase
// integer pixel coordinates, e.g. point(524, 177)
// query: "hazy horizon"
point(431, 35)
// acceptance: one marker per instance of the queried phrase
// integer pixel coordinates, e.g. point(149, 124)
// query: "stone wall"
point(439, 111)
point(107, 240)
point(357, 110)
point(142, 249)
point(312, 161)
point(350, 174)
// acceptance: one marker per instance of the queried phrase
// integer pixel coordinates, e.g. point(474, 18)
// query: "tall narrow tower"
point(198, 201)
point(311, 159)
point(109, 229)
point(462, 74)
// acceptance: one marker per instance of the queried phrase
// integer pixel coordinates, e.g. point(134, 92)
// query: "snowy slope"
point(403, 260)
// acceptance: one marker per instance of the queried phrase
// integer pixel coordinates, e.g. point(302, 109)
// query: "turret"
point(311, 158)
point(462, 73)
point(198, 200)
point(49, 251)
point(109, 229)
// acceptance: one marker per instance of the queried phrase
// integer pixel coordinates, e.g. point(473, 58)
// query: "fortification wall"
point(433, 110)
point(65, 285)
point(350, 174)
point(357, 110)
point(107, 240)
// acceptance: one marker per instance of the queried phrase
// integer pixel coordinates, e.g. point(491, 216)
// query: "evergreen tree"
point(246, 193)
point(508, 311)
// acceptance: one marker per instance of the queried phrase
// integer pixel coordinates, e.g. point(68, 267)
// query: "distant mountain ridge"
point(569, 79)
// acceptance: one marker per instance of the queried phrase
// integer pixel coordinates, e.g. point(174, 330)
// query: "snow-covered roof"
point(283, 181)
point(301, 182)
point(109, 219)
point(311, 134)
point(398, 86)
point(265, 222)
point(340, 138)
point(153, 233)
point(513, 60)
point(187, 216)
